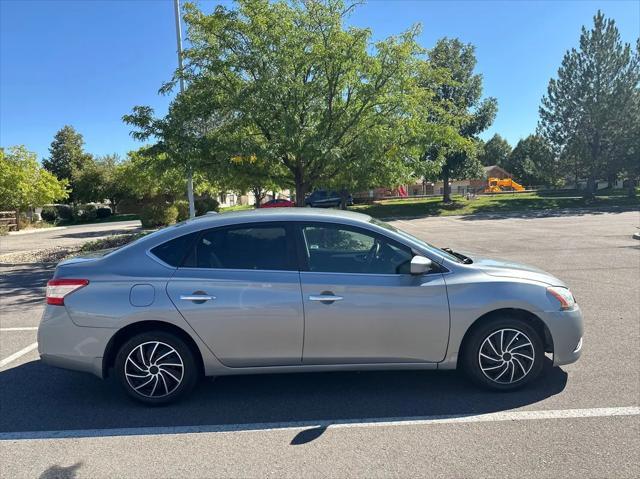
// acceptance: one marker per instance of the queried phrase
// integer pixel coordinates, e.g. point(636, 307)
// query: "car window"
point(429, 247)
point(173, 252)
point(342, 249)
point(264, 247)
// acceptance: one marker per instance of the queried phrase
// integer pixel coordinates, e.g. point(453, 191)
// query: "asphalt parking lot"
point(580, 420)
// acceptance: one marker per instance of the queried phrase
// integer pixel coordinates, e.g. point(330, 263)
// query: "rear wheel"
point(503, 354)
point(156, 367)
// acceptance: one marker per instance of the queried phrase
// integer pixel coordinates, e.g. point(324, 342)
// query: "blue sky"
point(86, 63)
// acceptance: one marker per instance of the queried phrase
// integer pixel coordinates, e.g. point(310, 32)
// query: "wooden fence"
point(9, 219)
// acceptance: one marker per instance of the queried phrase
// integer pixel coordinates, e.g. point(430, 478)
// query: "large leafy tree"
point(304, 91)
point(97, 180)
point(458, 95)
point(532, 162)
point(589, 109)
point(496, 151)
point(67, 157)
point(24, 183)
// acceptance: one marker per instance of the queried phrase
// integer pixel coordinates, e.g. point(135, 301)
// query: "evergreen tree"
point(589, 110)
point(66, 156)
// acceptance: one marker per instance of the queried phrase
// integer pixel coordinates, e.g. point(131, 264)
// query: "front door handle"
point(200, 298)
point(325, 298)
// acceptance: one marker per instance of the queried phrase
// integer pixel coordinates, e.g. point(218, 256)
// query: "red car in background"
point(278, 203)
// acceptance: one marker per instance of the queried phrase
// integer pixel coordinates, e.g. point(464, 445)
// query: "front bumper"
point(63, 344)
point(567, 329)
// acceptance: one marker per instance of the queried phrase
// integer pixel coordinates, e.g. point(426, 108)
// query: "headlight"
point(564, 296)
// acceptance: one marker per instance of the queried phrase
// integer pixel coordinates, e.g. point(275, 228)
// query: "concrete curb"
point(36, 230)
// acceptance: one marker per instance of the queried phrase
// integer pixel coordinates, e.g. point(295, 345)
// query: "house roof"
point(490, 168)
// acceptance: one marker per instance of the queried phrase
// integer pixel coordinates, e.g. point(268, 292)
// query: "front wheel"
point(156, 367)
point(503, 354)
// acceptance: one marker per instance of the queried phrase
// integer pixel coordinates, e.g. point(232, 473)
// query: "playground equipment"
point(496, 185)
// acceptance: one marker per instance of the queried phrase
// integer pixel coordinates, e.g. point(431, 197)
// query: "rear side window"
point(259, 247)
point(174, 251)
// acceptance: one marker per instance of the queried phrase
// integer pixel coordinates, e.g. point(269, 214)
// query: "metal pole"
point(176, 9)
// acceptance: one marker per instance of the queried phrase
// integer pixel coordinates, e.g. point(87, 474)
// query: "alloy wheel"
point(506, 356)
point(154, 369)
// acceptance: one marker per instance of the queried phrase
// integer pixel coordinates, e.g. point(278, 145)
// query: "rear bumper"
point(567, 329)
point(63, 344)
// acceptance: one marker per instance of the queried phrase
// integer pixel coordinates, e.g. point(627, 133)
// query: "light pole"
point(176, 9)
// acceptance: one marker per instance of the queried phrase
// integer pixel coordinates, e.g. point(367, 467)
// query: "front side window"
point(259, 247)
point(342, 249)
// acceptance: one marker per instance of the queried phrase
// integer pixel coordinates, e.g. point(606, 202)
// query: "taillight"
point(57, 289)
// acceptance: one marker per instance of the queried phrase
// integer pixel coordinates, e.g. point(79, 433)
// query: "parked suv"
point(326, 199)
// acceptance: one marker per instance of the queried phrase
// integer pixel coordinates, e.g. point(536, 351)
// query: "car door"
point(361, 303)
point(239, 289)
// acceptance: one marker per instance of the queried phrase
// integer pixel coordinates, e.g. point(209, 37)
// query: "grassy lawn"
point(229, 209)
point(521, 202)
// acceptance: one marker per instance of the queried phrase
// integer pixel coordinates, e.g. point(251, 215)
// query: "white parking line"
point(20, 353)
point(34, 328)
point(337, 424)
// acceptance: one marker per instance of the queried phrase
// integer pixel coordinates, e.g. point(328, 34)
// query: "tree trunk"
point(343, 198)
point(591, 187)
point(446, 192)
point(258, 195)
point(631, 192)
point(301, 186)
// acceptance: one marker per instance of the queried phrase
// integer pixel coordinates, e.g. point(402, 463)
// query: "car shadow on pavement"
point(37, 397)
point(508, 211)
point(22, 285)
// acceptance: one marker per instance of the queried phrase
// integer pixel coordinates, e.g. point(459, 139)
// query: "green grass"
point(230, 209)
point(521, 202)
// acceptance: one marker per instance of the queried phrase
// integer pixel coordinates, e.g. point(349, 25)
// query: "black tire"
point(169, 382)
point(519, 371)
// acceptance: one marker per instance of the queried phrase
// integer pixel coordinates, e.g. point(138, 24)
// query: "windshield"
point(422, 243)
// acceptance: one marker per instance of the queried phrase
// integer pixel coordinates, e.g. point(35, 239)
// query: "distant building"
point(230, 198)
point(422, 187)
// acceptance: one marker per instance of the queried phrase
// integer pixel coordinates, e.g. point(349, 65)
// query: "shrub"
point(49, 214)
point(158, 213)
point(103, 212)
point(86, 212)
point(206, 204)
point(128, 206)
point(183, 209)
point(65, 212)
point(23, 221)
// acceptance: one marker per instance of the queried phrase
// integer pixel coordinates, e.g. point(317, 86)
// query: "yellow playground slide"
point(497, 185)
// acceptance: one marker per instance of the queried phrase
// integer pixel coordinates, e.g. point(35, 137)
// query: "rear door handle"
point(196, 297)
point(328, 298)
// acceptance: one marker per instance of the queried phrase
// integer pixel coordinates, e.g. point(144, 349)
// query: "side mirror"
point(420, 265)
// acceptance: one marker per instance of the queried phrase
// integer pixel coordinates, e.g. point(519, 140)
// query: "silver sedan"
point(293, 290)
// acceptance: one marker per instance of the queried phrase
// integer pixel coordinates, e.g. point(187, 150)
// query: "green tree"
point(458, 95)
point(97, 180)
point(496, 151)
point(67, 157)
point(302, 88)
point(589, 109)
point(24, 184)
point(251, 174)
point(532, 162)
